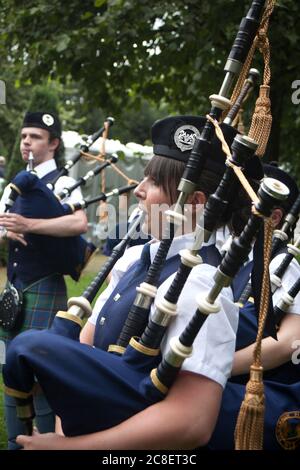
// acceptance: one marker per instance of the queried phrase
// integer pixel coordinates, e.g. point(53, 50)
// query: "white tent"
point(132, 160)
point(72, 139)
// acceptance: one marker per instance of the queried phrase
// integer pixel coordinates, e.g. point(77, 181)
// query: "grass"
point(74, 290)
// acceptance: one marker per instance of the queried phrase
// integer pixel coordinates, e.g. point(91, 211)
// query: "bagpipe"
point(69, 208)
point(248, 86)
point(269, 193)
point(84, 179)
point(35, 199)
point(109, 121)
point(293, 252)
point(138, 315)
point(66, 255)
point(280, 240)
point(282, 236)
point(286, 301)
point(111, 387)
point(281, 385)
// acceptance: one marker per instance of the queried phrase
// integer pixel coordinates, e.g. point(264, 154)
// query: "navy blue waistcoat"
point(25, 263)
point(114, 312)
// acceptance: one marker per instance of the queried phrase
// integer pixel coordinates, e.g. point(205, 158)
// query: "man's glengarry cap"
point(43, 120)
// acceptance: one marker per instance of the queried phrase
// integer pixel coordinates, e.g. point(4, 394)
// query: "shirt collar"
point(44, 168)
point(179, 243)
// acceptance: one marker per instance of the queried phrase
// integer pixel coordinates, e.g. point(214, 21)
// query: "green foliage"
point(133, 123)
point(43, 98)
point(16, 163)
point(121, 52)
point(11, 112)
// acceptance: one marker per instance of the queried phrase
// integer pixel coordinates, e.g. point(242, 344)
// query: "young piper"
point(44, 289)
point(108, 393)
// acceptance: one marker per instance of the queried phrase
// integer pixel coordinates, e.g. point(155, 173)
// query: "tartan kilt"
point(41, 301)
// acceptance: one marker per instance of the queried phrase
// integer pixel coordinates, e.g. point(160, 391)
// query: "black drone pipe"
point(242, 149)
point(280, 237)
point(89, 175)
point(83, 148)
point(286, 301)
point(138, 316)
point(269, 193)
point(249, 84)
point(70, 208)
point(80, 307)
point(279, 240)
point(293, 251)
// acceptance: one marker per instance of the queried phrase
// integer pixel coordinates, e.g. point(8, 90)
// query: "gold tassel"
point(262, 120)
point(250, 423)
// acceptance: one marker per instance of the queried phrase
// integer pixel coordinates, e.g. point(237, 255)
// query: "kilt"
point(41, 301)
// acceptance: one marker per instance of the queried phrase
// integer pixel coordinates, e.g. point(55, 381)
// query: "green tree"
point(133, 123)
point(42, 98)
point(120, 52)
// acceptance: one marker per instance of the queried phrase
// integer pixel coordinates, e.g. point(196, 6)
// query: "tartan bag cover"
point(41, 301)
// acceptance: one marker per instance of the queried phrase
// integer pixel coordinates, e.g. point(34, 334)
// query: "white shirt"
point(63, 182)
point(131, 255)
point(215, 345)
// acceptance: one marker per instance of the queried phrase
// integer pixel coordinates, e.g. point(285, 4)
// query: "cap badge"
point(185, 136)
point(47, 119)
